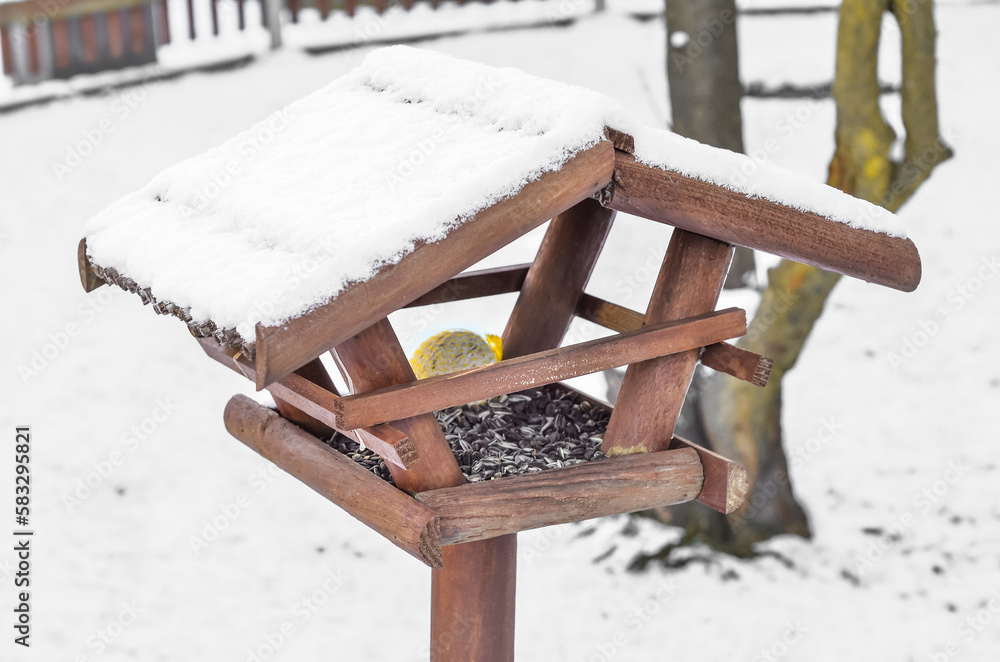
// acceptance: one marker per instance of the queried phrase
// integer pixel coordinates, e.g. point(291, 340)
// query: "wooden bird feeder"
point(467, 531)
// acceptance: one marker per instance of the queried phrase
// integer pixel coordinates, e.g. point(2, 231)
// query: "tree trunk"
point(742, 421)
point(705, 89)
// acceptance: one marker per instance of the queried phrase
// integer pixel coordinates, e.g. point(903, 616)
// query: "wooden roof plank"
point(714, 211)
point(281, 349)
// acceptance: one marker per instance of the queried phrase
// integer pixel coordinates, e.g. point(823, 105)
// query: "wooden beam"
point(373, 359)
point(398, 517)
point(317, 402)
point(652, 392)
point(714, 211)
point(726, 484)
point(626, 484)
point(90, 280)
point(738, 362)
point(472, 596)
point(475, 284)
point(557, 277)
point(607, 314)
point(315, 373)
point(281, 349)
point(507, 376)
point(734, 361)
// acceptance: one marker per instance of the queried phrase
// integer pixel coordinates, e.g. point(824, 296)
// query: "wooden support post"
point(557, 278)
point(652, 392)
point(472, 596)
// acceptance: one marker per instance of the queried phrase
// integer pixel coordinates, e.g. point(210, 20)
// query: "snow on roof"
point(329, 190)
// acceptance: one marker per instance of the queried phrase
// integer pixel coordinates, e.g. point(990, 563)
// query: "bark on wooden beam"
point(398, 517)
point(281, 349)
point(713, 211)
point(479, 511)
point(90, 280)
point(475, 284)
point(426, 395)
point(732, 360)
point(390, 443)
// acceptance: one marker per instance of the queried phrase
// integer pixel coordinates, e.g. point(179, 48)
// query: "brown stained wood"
point(88, 37)
point(398, 517)
point(315, 402)
point(373, 359)
point(60, 42)
point(88, 278)
point(721, 356)
point(557, 277)
point(622, 141)
point(139, 16)
point(516, 374)
point(714, 211)
point(738, 362)
point(599, 488)
point(726, 484)
point(475, 284)
point(652, 392)
point(282, 349)
point(315, 373)
point(472, 602)
point(607, 314)
point(472, 596)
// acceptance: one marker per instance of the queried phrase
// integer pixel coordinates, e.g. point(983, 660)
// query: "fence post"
point(272, 19)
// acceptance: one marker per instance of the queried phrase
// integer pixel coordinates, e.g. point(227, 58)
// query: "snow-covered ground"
point(217, 554)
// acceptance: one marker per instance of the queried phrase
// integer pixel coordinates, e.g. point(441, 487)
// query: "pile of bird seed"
point(524, 432)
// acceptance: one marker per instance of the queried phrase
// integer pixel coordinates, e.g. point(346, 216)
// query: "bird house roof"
point(368, 194)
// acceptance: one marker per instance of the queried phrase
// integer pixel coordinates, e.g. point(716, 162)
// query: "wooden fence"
point(58, 39)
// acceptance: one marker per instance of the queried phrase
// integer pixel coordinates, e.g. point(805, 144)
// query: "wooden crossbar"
point(475, 284)
point(598, 488)
point(404, 400)
point(405, 522)
point(729, 359)
point(389, 442)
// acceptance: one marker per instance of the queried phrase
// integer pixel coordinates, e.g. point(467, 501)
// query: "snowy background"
point(897, 463)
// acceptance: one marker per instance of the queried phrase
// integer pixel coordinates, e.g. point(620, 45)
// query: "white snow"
point(103, 362)
point(323, 193)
